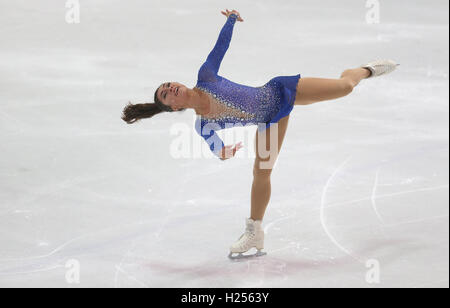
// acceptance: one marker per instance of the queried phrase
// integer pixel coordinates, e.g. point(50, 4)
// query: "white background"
point(360, 178)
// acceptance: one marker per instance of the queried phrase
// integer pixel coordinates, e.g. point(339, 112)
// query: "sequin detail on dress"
point(236, 104)
point(223, 110)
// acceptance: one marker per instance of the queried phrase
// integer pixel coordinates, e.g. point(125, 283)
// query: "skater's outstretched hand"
point(228, 151)
point(228, 13)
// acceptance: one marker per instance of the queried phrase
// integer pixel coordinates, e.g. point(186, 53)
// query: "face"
point(172, 94)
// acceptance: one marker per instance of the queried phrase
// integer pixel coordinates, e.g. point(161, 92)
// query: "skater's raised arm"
point(223, 42)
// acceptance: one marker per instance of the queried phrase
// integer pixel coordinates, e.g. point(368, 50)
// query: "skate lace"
point(383, 68)
point(246, 238)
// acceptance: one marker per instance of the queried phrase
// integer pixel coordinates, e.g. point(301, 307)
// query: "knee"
point(347, 86)
point(261, 174)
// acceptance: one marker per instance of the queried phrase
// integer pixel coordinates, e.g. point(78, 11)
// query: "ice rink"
point(360, 190)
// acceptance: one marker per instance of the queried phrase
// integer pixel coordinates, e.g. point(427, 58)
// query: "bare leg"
point(309, 90)
point(261, 187)
point(313, 90)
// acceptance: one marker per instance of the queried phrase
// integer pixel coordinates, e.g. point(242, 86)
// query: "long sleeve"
point(215, 57)
point(209, 134)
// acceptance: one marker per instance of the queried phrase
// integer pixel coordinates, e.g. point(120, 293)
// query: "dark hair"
point(133, 113)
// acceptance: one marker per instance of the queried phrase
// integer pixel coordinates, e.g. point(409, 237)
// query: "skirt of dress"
point(287, 85)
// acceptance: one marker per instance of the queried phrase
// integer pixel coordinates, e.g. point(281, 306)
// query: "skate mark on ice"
point(374, 197)
point(270, 225)
point(130, 277)
point(50, 190)
point(282, 248)
point(332, 205)
point(212, 273)
point(268, 267)
point(56, 250)
point(69, 242)
point(3, 273)
point(322, 212)
point(374, 202)
point(415, 221)
point(215, 272)
point(119, 268)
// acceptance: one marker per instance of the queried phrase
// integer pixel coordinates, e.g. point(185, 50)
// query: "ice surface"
point(358, 179)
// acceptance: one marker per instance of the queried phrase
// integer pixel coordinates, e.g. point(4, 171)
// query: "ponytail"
point(133, 113)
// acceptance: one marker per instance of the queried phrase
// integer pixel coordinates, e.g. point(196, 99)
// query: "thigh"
point(312, 90)
point(267, 151)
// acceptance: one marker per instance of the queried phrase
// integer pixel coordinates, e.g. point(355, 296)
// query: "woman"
point(219, 103)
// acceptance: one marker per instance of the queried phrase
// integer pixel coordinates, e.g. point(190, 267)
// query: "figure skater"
point(218, 102)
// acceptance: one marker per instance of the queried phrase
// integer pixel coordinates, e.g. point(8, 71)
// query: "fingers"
point(238, 15)
point(227, 13)
point(237, 147)
point(230, 150)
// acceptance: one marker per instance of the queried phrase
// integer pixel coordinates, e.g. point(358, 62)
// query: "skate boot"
point(380, 67)
point(252, 238)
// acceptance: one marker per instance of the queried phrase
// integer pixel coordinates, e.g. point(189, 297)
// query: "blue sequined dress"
point(234, 104)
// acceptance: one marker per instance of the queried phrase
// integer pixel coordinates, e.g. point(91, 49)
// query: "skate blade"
point(241, 256)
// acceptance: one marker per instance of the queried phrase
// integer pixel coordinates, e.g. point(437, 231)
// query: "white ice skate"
point(252, 238)
point(380, 67)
